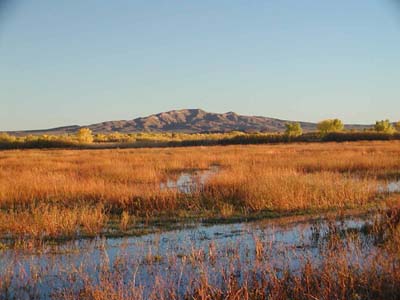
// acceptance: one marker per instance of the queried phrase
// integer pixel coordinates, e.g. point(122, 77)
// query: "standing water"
point(176, 257)
point(188, 183)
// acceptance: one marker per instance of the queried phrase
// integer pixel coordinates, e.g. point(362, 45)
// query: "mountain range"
point(187, 121)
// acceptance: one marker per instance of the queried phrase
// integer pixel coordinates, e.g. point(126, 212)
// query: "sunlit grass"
point(45, 189)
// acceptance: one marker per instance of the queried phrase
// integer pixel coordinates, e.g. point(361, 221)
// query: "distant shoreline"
point(188, 140)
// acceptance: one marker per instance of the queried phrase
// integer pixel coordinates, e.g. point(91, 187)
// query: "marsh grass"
point(346, 270)
point(347, 267)
point(56, 193)
point(52, 222)
point(124, 221)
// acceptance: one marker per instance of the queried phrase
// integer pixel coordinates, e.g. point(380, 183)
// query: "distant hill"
point(188, 121)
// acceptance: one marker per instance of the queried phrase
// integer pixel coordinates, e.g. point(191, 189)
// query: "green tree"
point(384, 126)
point(84, 135)
point(293, 129)
point(330, 125)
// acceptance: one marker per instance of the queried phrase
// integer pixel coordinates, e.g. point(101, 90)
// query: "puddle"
point(391, 187)
point(394, 187)
point(189, 183)
point(177, 256)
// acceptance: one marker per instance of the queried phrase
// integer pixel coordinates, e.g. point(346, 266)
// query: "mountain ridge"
point(186, 121)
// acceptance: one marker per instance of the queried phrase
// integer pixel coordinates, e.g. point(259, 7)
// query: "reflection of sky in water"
point(392, 187)
point(168, 254)
point(284, 245)
point(190, 182)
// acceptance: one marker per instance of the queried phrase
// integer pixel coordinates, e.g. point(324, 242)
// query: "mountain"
point(185, 120)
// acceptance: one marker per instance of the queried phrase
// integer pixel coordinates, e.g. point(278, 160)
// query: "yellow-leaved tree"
point(84, 135)
point(397, 126)
point(6, 138)
point(384, 126)
point(331, 125)
point(293, 129)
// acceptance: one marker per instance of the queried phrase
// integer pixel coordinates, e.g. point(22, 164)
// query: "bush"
point(384, 126)
point(359, 136)
point(6, 138)
point(330, 125)
point(397, 126)
point(84, 135)
point(293, 129)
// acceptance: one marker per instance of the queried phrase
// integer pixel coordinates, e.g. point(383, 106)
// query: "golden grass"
point(45, 221)
point(250, 179)
point(344, 268)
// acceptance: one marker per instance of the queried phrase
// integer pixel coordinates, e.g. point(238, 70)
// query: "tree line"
point(327, 130)
point(335, 125)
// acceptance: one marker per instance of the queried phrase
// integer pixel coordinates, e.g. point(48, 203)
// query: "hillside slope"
point(188, 121)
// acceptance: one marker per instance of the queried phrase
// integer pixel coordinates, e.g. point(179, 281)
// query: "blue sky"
point(86, 61)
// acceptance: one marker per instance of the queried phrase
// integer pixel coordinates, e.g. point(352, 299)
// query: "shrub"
point(293, 129)
point(397, 126)
point(84, 135)
point(6, 138)
point(384, 126)
point(330, 125)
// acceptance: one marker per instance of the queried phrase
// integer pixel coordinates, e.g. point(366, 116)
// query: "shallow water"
point(391, 187)
point(169, 255)
point(189, 182)
point(394, 187)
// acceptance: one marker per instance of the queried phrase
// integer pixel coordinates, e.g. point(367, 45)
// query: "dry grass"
point(67, 193)
point(72, 184)
point(345, 268)
point(49, 221)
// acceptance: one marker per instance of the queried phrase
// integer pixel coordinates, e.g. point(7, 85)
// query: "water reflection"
point(391, 187)
point(190, 182)
point(280, 244)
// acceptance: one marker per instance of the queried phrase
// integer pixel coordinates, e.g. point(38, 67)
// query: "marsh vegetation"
point(289, 258)
point(111, 224)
